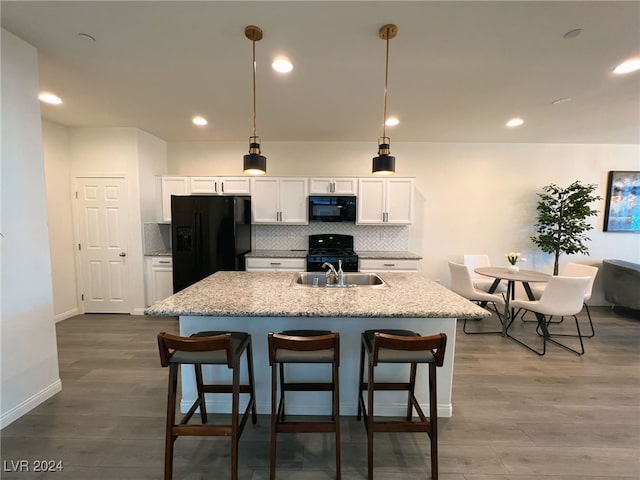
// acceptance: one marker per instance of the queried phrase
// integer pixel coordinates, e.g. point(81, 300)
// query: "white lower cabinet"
point(385, 265)
point(254, 264)
point(158, 278)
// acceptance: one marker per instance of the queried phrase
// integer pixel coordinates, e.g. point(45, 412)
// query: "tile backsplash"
point(156, 237)
point(365, 237)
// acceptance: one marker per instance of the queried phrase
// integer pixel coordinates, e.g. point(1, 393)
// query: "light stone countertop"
point(158, 253)
point(270, 294)
point(276, 254)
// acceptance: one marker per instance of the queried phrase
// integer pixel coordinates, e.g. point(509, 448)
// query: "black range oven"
point(330, 248)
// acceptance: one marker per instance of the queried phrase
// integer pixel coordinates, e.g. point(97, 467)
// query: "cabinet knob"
point(122, 254)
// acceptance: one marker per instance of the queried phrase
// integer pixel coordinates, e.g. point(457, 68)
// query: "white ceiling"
point(458, 70)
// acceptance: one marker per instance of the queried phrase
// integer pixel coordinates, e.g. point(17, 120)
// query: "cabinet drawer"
point(382, 265)
point(297, 264)
point(161, 262)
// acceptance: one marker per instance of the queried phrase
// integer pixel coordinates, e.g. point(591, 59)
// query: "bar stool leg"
point(369, 418)
point(252, 387)
point(433, 420)
point(336, 417)
point(361, 381)
point(412, 388)
point(203, 409)
point(235, 412)
point(274, 420)
point(171, 418)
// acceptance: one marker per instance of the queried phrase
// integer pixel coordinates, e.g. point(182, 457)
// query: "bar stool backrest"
point(169, 344)
point(435, 343)
point(278, 341)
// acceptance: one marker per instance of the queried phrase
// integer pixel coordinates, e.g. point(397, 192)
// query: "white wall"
point(28, 359)
point(152, 162)
point(470, 197)
point(114, 152)
point(60, 213)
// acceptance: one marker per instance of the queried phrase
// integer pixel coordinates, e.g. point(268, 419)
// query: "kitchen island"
point(259, 303)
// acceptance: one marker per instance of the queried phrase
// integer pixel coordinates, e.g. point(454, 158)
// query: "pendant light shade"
point(254, 162)
point(385, 163)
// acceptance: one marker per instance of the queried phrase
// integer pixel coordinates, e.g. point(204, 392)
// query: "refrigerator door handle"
point(222, 186)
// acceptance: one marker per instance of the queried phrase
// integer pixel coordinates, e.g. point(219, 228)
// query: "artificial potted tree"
point(562, 219)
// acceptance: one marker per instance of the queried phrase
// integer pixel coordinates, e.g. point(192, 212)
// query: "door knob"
point(122, 254)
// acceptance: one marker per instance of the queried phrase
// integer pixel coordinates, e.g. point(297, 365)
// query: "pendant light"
point(254, 162)
point(384, 163)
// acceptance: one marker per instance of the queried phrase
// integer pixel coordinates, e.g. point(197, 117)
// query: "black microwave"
point(332, 208)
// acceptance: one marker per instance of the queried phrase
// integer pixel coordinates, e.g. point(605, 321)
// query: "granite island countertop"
point(270, 294)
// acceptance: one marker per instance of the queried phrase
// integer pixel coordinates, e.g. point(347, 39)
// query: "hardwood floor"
point(516, 416)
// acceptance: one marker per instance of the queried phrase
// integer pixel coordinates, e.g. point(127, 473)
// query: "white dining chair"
point(563, 297)
point(480, 282)
point(574, 270)
point(462, 284)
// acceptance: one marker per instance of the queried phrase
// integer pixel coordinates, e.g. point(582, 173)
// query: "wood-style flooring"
point(516, 416)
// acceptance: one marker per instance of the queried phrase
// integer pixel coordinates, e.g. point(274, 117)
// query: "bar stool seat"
point(400, 346)
point(310, 347)
point(207, 348)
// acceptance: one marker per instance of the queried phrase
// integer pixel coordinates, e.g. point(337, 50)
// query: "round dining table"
point(525, 277)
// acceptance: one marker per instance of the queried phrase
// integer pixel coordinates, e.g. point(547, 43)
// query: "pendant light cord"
point(254, 87)
point(386, 81)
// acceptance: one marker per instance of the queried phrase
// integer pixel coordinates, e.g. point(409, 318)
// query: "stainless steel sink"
point(351, 279)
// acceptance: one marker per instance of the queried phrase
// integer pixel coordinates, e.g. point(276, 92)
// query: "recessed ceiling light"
point(392, 121)
point(200, 121)
point(561, 100)
point(514, 122)
point(573, 33)
point(628, 66)
point(282, 65)
point(48, 97)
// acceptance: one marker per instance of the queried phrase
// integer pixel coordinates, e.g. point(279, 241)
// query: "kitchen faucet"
point(339, 274)
point(332, 270)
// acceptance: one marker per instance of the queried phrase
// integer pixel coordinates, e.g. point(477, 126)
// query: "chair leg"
point(282, 395)
point(433, 420)
point(171, 420)
point(464, 325)
point(541, 319)
point(593, 332)
point(566, 347)
point(235, 417)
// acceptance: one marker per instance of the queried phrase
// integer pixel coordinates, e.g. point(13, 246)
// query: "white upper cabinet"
point(220, 185)
point(279, 200)
point(339, 186)
point(172, 186)
point(385, 201)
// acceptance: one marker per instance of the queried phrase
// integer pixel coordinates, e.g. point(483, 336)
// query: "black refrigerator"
point(208, 234)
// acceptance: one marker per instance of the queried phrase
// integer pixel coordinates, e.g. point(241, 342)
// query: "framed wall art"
point(622, 211)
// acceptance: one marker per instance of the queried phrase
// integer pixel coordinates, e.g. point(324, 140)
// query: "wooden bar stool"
point(401, 346)
point(310, 347)
point(207, 348)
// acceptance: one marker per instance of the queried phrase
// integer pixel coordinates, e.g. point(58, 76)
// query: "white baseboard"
point(137, 311)
point(29, 404)
point(68, 314)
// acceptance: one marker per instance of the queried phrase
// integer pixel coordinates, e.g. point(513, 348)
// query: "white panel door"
point(102, 225)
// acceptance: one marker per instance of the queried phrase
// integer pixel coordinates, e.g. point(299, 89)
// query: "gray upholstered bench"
point(621, 283)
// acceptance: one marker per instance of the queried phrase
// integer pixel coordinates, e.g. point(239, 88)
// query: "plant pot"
point(513, 269)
